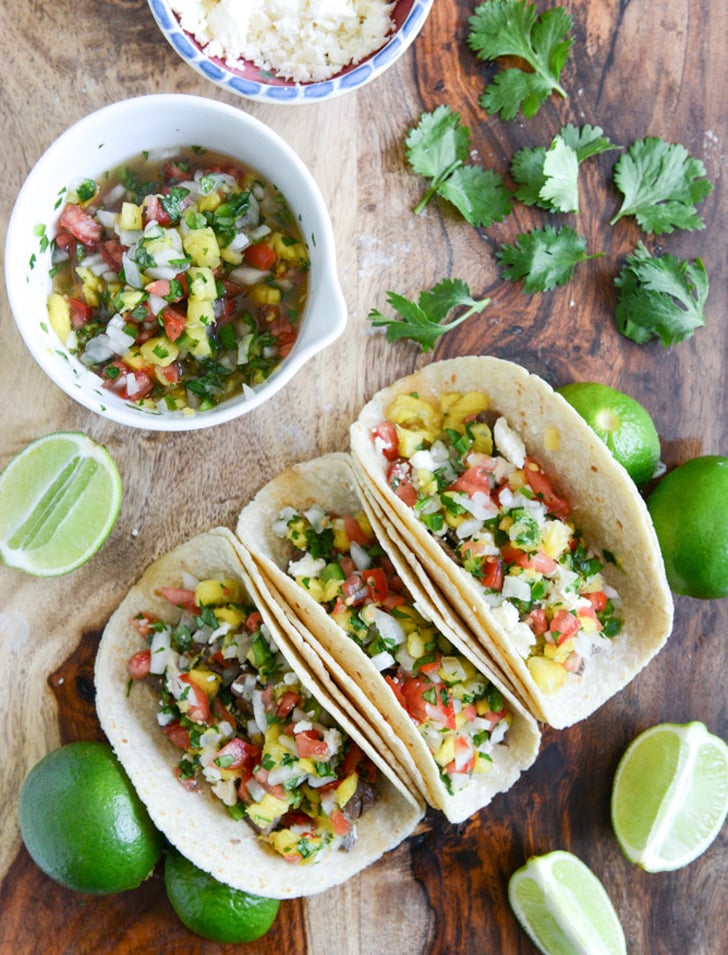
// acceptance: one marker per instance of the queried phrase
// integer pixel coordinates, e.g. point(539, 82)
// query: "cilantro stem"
point(435, 185)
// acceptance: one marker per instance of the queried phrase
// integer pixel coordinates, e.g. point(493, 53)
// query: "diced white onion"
point(383, 660)
point(517, 588)
point(389, 628)
point(360, 556)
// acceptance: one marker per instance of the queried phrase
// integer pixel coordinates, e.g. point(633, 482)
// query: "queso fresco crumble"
point(301, 40)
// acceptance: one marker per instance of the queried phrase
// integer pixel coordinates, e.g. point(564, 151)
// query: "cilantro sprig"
point(544, 258)
point(548, 178)
point(513, 28)
point(438, 149)
point(661, 183)
point(660, 297)
point(423, 321)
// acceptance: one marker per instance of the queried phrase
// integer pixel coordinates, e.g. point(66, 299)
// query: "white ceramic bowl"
point(247, 79)
point(116, 134)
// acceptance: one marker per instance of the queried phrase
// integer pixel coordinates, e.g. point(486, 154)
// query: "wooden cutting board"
point(637, 68)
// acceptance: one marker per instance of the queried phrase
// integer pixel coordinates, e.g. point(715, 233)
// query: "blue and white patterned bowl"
point(250, 81)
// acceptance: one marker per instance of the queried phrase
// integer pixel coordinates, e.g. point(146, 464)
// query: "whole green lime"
point(212, 909)
point(621, 422)
point(689, 508)
point(83, 823)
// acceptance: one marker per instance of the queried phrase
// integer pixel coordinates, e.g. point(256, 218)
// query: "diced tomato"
point(376, 582)
point(473, 481)
point(253, 621)
point(187, 782)
point(355, 590)
point(422, 709)
point(174, 322)
point(261, 775)
point(168, 374)
point(514, 555)
point(491, 572)
point(598, 600)
point(339, 823)
point(80, 224)
point(261, 256)
point(469, 711)
point(573, 662)
point(287, 702)
point(139, 664)
point(129, 384)
point(81, 313)
point(544, 490)
point(177, 735)
point(180, 597)
point(112, 252)
point(310, 745)
point(351, 760)
point(384, 436)
point(238, 754)
point(154, 211)
point(464, 755)
point(198, 704)
point(221, 712)
point(542, 563)
point(563, 625)
point(175, 170)
point(396, 687)
point(399, 478)
point(159, 287)
point(143, 624)
point(354, 530)
point(537, 621)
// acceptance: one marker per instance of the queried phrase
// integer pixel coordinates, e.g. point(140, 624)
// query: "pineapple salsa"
point(458, 712)
point(179, 281)
point(495, 511)
point(244, 723)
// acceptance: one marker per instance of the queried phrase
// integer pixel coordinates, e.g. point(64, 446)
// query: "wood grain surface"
point(637, 68)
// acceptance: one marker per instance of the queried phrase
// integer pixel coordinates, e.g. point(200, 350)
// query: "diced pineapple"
point(200, 311)
point(91, 285)
point(202, 284)
point(266, 295)
point(414, 414)
point(200, 344)
point(555, 537)
point(558, 653)
point(267, 811)
point(205, 679)
point(446, 752)
point(549, 676)
point(551, 438)
point(128, 299)
point(159, 351)
point(466, 406)
point(210, 202)
point(346, 789)
point(415, 644)
point(233, 616)
point(287, 249)
point(409, 441)
point(201, 245)
point(59, 315)
point(130, 217)
point(217, 592)
point(482, 437)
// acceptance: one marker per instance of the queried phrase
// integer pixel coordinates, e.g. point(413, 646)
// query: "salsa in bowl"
point(166, 281)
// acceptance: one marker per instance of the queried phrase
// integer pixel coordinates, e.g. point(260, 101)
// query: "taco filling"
point(469, 481)
point(245, 724)
point(461, 715)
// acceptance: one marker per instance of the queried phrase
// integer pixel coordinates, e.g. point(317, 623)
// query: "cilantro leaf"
point(478, 194)
point(661, 183)
point(560, 169)
point(422, 321)
point(660, 296)
point(549, 178)
point(512, 28)
point(438, 148)
point(586, 141)
point(544, 258)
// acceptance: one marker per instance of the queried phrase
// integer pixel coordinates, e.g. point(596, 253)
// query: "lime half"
point(59, 500)
point(564, 907)
point(670, 795)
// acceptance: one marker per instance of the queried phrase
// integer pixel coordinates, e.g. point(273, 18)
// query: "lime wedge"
point(564, 907)
point(670, 795)
point(59, 500)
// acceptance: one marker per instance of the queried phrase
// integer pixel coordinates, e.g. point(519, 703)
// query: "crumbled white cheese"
point(301, 40)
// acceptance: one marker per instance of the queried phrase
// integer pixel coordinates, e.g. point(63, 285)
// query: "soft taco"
point(242, 761)
point(502, 497)
point(342, 593)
